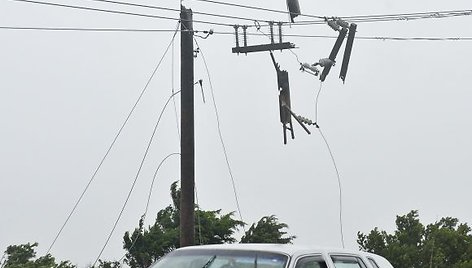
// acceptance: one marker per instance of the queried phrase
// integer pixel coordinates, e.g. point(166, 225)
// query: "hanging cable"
point(199, 223)
point(112, 144)
point(173, 91)
point(341, 224)
point(135, 179)
point(317, 100)
point(220, 134)
point(143, 217)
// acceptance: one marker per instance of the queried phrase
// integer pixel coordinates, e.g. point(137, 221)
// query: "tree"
point(267, 230)
point(446, 243)
point(107, 264)
point(23, 256)
point(144, 246)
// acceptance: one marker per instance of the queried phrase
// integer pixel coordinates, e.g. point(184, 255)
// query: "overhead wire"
point(110, 147)
point(333, 160)
point(359, 18)
point(118, 12)
point(173, 90)
point(369, 38)
point(341, 224)
point(135, 179)
point(148, 201)
point(173, 9)
point(320, 19)
point(218, 123)
point(255, 8)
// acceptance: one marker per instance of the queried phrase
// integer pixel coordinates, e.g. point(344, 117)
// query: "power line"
point(143, 217)
point(173, 9)
point(421, 15)
point(221, 135)
point(96, 9)
point(341, 228)
point(392, 17)
point(117, 12)
point(109, 148)
point(371, 38)
point(78, 29)
point(333, 160)
point(135, 178)
point(358, 18)
point(255, 8)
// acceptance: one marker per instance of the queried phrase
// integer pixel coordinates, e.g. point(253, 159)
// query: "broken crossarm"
point(334, 53)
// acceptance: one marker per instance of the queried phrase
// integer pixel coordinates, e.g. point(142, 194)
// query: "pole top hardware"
point(273, 45)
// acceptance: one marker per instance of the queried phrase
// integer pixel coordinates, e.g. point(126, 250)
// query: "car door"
point(311, 261)
point(348, 261)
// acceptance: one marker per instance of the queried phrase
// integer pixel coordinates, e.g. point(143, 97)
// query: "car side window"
point(374, 264)
point(342, 261)
point(311, 262)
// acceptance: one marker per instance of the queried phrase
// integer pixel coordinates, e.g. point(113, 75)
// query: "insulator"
point(344, 24)
point(326, 62)
point(333, 25)
point(305, 120)
point(293, 9)
point(311, 68)
point(236, 33)
point(280, 32)
point(245, 35)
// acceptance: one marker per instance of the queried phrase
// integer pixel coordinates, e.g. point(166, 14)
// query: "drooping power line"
point(135, 179)
point(110, 147)
point(233, 183)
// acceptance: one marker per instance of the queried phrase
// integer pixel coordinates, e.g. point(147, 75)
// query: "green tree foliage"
point(444, 244)
point(23, 256)
point(107, 264)
point(146, 245)
point(267, 230)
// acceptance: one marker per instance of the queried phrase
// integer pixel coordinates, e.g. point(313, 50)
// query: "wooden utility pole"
point(187, 142)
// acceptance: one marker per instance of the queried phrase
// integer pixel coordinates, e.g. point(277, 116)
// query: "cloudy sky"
point(400, 127)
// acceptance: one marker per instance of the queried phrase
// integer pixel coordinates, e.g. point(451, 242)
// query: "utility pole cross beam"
point(262, 48)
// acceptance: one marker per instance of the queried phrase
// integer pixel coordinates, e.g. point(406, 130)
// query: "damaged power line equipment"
point(286, 112)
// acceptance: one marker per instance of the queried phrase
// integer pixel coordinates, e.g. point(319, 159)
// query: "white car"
point(268, 256)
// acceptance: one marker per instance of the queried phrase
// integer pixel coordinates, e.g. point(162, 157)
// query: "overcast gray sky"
point(400, 128)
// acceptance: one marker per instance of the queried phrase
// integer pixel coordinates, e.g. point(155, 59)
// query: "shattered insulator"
point(344, 24)
point(333, 25)
point(326, 62)
point(310, 67)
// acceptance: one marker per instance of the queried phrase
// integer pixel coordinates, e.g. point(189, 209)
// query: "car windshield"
point(205, 258)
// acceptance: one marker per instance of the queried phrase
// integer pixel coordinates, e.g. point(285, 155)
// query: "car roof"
point(287, 249)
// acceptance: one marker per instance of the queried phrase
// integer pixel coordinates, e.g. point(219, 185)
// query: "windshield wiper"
point(209, 262)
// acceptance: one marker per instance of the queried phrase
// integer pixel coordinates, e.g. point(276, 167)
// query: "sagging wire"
point(173, 91)
point(317, 101)
point(143, 217)
point(341, 224)
point(333, 160)
point(113, 142)
point(220, 133)
point(198, 218)
point(135, 178)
